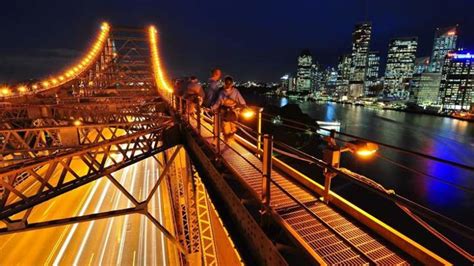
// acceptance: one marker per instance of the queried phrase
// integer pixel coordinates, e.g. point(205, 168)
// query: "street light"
point(361, 148)
point(248, 113)
point(77, 122)
point(22, 89)
point(5, 91)
point(332, 156)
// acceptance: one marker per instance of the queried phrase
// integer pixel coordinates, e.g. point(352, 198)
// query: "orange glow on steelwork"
point(160, 79)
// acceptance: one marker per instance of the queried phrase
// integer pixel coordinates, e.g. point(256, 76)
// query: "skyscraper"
point(360, 50)
point(425, 88)
point(303, 73)
point(400, 65)
point(316, 77)
point(444, 41)
point(373, 65)
point(421, 64)
point(344, 74)
point(457, 81)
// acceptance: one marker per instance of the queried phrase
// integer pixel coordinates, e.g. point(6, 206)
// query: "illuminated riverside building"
point(444, 42)
point(457, 81)
point(373, 66)
point(360, 50)
point(421, 65)
point(400, 65)
point(303, 72)
point(425, 88)
point(344, 73)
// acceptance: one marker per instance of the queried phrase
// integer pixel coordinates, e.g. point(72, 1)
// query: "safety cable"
point(453, 163)
point(437, 234)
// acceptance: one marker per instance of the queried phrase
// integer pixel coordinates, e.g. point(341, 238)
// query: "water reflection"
point(283, 101)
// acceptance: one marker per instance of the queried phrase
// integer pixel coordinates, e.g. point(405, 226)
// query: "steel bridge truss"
point(22, 145)
point(107, 118)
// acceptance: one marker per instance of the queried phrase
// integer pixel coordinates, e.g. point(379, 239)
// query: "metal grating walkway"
point(338, 239)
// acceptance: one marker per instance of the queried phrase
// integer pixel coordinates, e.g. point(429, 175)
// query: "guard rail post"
point(259, 131)
point(198, 118)
point(266, 171)
point(217, 131)
point(332, 156)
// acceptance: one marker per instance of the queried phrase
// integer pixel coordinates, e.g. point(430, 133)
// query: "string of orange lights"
point(160, 79)
point(69, 74)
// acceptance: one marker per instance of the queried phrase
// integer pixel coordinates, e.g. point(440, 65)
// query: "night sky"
point(251, 40)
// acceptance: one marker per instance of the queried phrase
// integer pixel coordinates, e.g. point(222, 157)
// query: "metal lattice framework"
point(21, 145)
point(97, 117)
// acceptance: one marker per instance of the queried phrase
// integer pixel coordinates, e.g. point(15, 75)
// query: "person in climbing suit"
point(193, 95)
point(229, 102)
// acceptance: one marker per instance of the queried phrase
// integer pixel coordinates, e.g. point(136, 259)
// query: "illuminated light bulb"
point(34, 87)
point(91, 83)
point(22, 89)
point(77, 122)
point(248, 113)
point(45, 84)
point(75, 69)
point(61, 78)
point(5, 91)
point(54, 81)
point(105, 26)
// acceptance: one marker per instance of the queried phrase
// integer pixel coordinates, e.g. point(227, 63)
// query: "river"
point(438, 186)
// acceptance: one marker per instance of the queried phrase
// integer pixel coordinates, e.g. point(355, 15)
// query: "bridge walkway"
point(324, 231)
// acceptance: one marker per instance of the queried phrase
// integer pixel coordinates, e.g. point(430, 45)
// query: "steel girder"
point(95, 112)
point(56, 174)
point(21, 145)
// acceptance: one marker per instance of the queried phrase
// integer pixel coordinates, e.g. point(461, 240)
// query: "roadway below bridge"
point(124, 240)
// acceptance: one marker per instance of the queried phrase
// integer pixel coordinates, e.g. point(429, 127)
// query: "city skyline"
point(288, 34)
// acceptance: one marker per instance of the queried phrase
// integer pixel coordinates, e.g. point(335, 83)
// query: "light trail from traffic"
point(129, 239)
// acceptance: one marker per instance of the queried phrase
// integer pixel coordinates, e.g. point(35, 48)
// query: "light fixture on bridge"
point(248, 113)
point(5, 91)
point(362, 148)
point(22, 89)
point(332, 156)
point(77, 122)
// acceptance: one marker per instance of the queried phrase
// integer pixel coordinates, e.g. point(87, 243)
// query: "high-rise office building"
point(400, 65)
point(344, 67)
point(421, 65)
point(457, 81)
point(444, 41)
point(424, 88)
point(360, 50)
point(316, 77)
point(373, 66)
point(285, 82)
point(344, 74)
point(303, 73)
